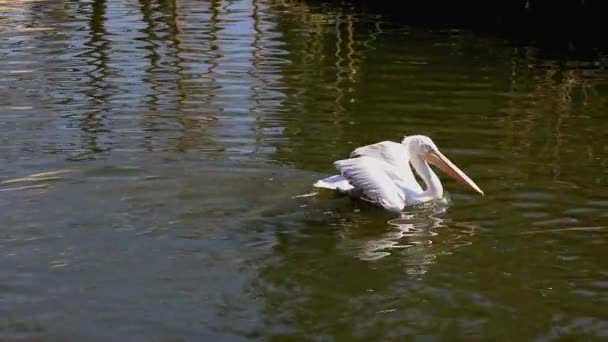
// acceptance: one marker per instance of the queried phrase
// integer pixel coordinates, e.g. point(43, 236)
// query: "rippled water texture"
point(152, 154)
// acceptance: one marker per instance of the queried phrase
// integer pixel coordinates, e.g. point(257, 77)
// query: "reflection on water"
point(411, 230)
point(415, 231)
point(153, 154)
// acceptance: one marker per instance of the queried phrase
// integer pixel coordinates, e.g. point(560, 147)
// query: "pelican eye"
point(427, 148)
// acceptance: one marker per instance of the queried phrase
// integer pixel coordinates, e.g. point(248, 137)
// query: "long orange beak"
point(444, 164)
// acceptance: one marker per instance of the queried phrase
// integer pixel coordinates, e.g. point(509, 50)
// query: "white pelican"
point(381, 173)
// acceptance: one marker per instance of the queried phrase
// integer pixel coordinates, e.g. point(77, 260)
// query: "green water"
point(173, 137)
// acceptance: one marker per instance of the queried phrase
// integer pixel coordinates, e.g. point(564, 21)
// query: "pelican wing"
point(390, 152)
point(395, 154)
point(376, 179)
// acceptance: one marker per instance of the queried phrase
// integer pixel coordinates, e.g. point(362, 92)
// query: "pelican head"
point(424, 148)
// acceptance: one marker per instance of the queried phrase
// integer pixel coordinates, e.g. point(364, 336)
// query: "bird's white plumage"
point(395, 154)
point(391, 152)
point(336, 182)
point(377, 179)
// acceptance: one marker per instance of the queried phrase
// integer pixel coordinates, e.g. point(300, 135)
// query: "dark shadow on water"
point(562, 28)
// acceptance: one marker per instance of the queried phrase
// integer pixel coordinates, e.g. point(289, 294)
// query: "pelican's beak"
point(444, 164)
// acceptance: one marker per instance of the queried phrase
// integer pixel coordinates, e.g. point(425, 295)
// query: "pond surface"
point(152, 154)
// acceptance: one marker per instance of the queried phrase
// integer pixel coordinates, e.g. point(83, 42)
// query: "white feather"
point(336, 182)
point(391, 152)
point(377, 179)
point(395, 154)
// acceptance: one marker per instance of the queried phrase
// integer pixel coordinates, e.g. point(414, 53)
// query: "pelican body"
point(382, 173)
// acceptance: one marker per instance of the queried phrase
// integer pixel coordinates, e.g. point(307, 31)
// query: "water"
point(151, 152)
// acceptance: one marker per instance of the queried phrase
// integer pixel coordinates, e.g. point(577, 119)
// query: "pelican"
point(381, 173)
